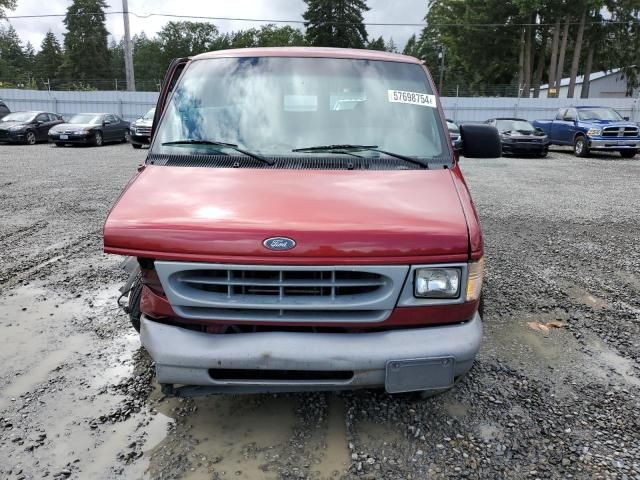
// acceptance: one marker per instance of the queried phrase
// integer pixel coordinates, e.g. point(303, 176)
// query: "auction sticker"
point(412, 98)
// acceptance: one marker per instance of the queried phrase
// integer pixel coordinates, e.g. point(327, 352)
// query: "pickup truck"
point(302, 223)
point(592, 129)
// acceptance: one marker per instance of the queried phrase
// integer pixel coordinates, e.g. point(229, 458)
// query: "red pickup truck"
point(302, 223)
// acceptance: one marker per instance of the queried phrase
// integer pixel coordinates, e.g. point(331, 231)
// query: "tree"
point(481, 44)
point(6, 4)
point(116, 63)
point(13, 61)
point(336, 23)
point(49, 59)
point(148, 62)
point(377, 44)
point(272, 36)
point(412, 47)
point(183, 39)
point(86, 51)
point(577, 49)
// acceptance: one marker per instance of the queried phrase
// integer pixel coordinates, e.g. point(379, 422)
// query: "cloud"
point(34, 29)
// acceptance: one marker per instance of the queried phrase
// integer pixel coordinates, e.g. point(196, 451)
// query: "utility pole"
point(128, 55)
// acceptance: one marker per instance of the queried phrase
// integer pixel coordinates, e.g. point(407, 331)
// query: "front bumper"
point(614, 143)
point(139, 139)
point(83, 139)
point(184, 357)
point(12, 137)
point(525, 147)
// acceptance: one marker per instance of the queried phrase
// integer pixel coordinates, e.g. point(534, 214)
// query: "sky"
point(33, 30)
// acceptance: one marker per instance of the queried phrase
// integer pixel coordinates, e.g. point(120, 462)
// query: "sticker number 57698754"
point(412, 98)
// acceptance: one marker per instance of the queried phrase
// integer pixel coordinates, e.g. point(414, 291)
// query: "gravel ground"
point(78, 398)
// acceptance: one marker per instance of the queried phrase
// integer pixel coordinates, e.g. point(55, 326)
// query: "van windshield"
point(274, 105)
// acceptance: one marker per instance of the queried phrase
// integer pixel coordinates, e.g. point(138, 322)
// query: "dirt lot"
point(78, 398)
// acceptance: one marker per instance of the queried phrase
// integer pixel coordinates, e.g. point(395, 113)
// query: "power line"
point(329, 22)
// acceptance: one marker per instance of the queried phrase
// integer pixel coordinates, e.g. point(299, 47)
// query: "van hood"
point(208, 214)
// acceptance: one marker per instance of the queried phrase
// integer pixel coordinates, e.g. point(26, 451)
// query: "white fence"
point(479, 109)
point(130, 105)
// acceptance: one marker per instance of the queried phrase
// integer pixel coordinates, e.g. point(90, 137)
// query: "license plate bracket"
point(64, 137)
point(419, 374)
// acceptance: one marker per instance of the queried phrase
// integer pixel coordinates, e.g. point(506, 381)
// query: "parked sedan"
point(140, 130)
point(520, 137)
point(27, 127)
point(90, 129)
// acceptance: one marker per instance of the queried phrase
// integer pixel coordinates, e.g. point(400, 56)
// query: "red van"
point(302, 223)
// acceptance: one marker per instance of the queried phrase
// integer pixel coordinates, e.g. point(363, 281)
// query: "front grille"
point(241, 293)
point(246, 375)
point(620, 132)
point(143, 130)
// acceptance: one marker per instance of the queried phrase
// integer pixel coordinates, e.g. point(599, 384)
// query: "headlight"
point(80, 132)
point(474, 280)
point(15, 128)
point(437, 283)
point(594, 132)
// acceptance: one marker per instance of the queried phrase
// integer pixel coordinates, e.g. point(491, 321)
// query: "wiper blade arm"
point(370, 148)
point(233, 146)
point(347, 146)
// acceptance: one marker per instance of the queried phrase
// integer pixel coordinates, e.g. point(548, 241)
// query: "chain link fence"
point(116, 84)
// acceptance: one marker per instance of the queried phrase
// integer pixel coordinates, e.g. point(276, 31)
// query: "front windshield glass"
point(149, 115)
point(272, 105)
point(514, 126)
point(83, 119)
point(599, 114)
point(19, 117)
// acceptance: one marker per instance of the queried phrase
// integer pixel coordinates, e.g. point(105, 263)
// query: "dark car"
point(27, 127)
point(140, 130)
point(454, 133)
point(90, 129)
point(3, 109)
point(520, 137)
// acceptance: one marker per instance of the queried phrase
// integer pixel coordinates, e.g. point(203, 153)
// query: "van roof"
point(318, 52)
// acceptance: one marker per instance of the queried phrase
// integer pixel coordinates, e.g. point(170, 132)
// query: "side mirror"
point(569, 119)
point(480, 141)
point(39, 122)
point(106, 122)
point(626, 118)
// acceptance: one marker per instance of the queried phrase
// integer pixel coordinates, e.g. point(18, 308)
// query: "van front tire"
point(133, 305)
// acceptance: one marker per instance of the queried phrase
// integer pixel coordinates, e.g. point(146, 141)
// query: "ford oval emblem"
point(279, 243)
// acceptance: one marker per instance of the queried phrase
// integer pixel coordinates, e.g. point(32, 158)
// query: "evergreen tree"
point(86, 52)
point(116, 63)
point(377, 44)
point(13, 61)
point(411, 48)
point(336, 23)
point(49, 59)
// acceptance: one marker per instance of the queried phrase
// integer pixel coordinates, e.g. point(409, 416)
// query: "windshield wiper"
point(233, 146)
point(346, 148)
